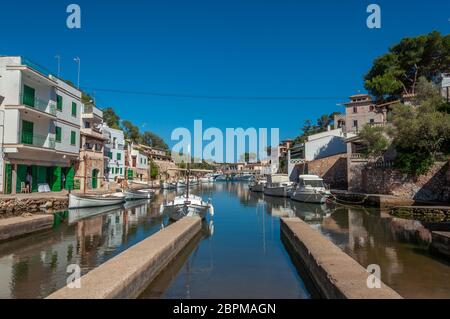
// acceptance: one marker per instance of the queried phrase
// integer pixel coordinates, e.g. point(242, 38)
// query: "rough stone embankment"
point(16, 206)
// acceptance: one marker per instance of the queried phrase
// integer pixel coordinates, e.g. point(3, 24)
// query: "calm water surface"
point(239, 253)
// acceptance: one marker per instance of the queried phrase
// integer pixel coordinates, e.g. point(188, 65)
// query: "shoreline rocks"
point(12, 207)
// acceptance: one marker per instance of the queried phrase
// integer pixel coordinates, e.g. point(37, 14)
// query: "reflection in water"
point(238, 255)
point(35, 266)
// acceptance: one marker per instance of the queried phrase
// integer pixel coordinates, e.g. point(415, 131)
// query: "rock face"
point(15, 207)
point(433, 186)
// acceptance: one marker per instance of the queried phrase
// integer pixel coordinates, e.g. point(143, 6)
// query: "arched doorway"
point(94, 178)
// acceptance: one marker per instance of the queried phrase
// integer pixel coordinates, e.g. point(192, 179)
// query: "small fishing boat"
point(181, 184)
point(131, 194)
point(81, 201)
point(167, 185)
point(257, 186)
point(186, 205)
point(278, 185)
point(77, 214)
point(310, 189)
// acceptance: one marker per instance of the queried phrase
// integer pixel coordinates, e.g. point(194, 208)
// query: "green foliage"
point(154, 171)
point(111, 118)
point(375, 140)
point(131, 131)
point(151, 139)
point(397, 71)
point(422, 131)
point(321, 125)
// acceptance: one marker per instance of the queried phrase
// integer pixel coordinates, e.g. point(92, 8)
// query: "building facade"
point(137, 163)
point(90, 169)
point(41, 128)
point(115, 154)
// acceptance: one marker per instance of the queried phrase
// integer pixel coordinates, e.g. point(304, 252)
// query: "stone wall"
point(11, 206)
point(433, 186)
point(332, 169)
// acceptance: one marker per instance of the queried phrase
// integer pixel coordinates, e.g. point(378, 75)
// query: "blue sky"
point(258, 48)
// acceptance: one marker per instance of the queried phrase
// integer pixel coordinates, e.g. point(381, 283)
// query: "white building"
point(320, 145)
point(115, 153)
point(41, 118)
point(138, 165)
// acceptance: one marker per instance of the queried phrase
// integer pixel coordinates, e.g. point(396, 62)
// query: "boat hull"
point(93, 201)
point(137, 195)
point(308, 197)
point(259, 188)
point(281, 191)
point(177, 212)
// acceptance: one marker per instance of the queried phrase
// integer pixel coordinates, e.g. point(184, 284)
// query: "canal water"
point(239, 253)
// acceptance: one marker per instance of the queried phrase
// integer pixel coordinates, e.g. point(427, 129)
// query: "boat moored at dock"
point(310, 189)
point(82, 201)
point(278, 185)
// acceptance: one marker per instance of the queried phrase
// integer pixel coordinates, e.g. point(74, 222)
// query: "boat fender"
point(161, 209)
point(211, 210)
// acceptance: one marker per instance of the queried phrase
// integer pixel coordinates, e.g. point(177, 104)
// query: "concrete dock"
point(334, 274)
point(440, 243)
point(19, 226)
point(129, 273)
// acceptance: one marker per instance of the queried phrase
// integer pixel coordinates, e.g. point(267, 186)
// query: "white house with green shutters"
point(115, 153)
point(40, 142)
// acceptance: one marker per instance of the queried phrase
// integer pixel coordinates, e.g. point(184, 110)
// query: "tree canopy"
point(397, 72)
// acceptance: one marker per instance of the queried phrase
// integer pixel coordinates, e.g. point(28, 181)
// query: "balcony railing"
point(48, 106)
point(29, 138)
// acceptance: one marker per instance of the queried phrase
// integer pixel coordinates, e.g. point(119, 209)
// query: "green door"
point(8, 179)
point(94, 178)
point(70, 174)
point(34, 176)
point(27, 132)
point(21, 177)
point(130, 174)
point(28, 96)
point(56, 180)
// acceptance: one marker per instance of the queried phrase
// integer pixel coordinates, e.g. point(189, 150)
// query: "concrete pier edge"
point(129, 273)
point(14, 227)
point(334, 274)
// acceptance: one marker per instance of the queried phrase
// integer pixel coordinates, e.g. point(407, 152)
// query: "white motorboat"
point(310, 189)
point(81, 201)
point(183, 206)
point(221, 178)
point(206, 179)
point(181, 184)
point(186, 205)
point(131, 194)
point(278, 185)
point(167, 185)
point(257, 186)
point(244, 177)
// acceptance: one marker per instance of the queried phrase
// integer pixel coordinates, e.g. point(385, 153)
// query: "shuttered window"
point(28, 95)
point(59, 102)
point(73, 138)
point(27, 132)
point(74, 109)
point(58, 134)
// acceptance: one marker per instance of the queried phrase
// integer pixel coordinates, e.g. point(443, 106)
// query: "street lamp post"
point(77, 59)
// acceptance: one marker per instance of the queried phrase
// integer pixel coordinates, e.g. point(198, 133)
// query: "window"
point(27, 132)
point(74, 109)
point(355, 123)
point(110, 155)
point(372, 121)
point(58, 134)
point(121, 171)
point(28, 96)
point(355, 109)
point(59, 102)
point(371, 108)
point(73, 137)
point(119, 156)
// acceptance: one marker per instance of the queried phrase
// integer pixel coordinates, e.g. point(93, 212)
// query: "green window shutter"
point(28, 96)
point(73, 137)
point(21, 176)
point(130, 174)
point(27, 132)
point(58, 134)
point(8, 179)
point(119, 156)
point(56, 181)
point(110, 155)
point(59, 102)
point(70, 174)
point(34, 181)
point(121, 171)
point(74, 109)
